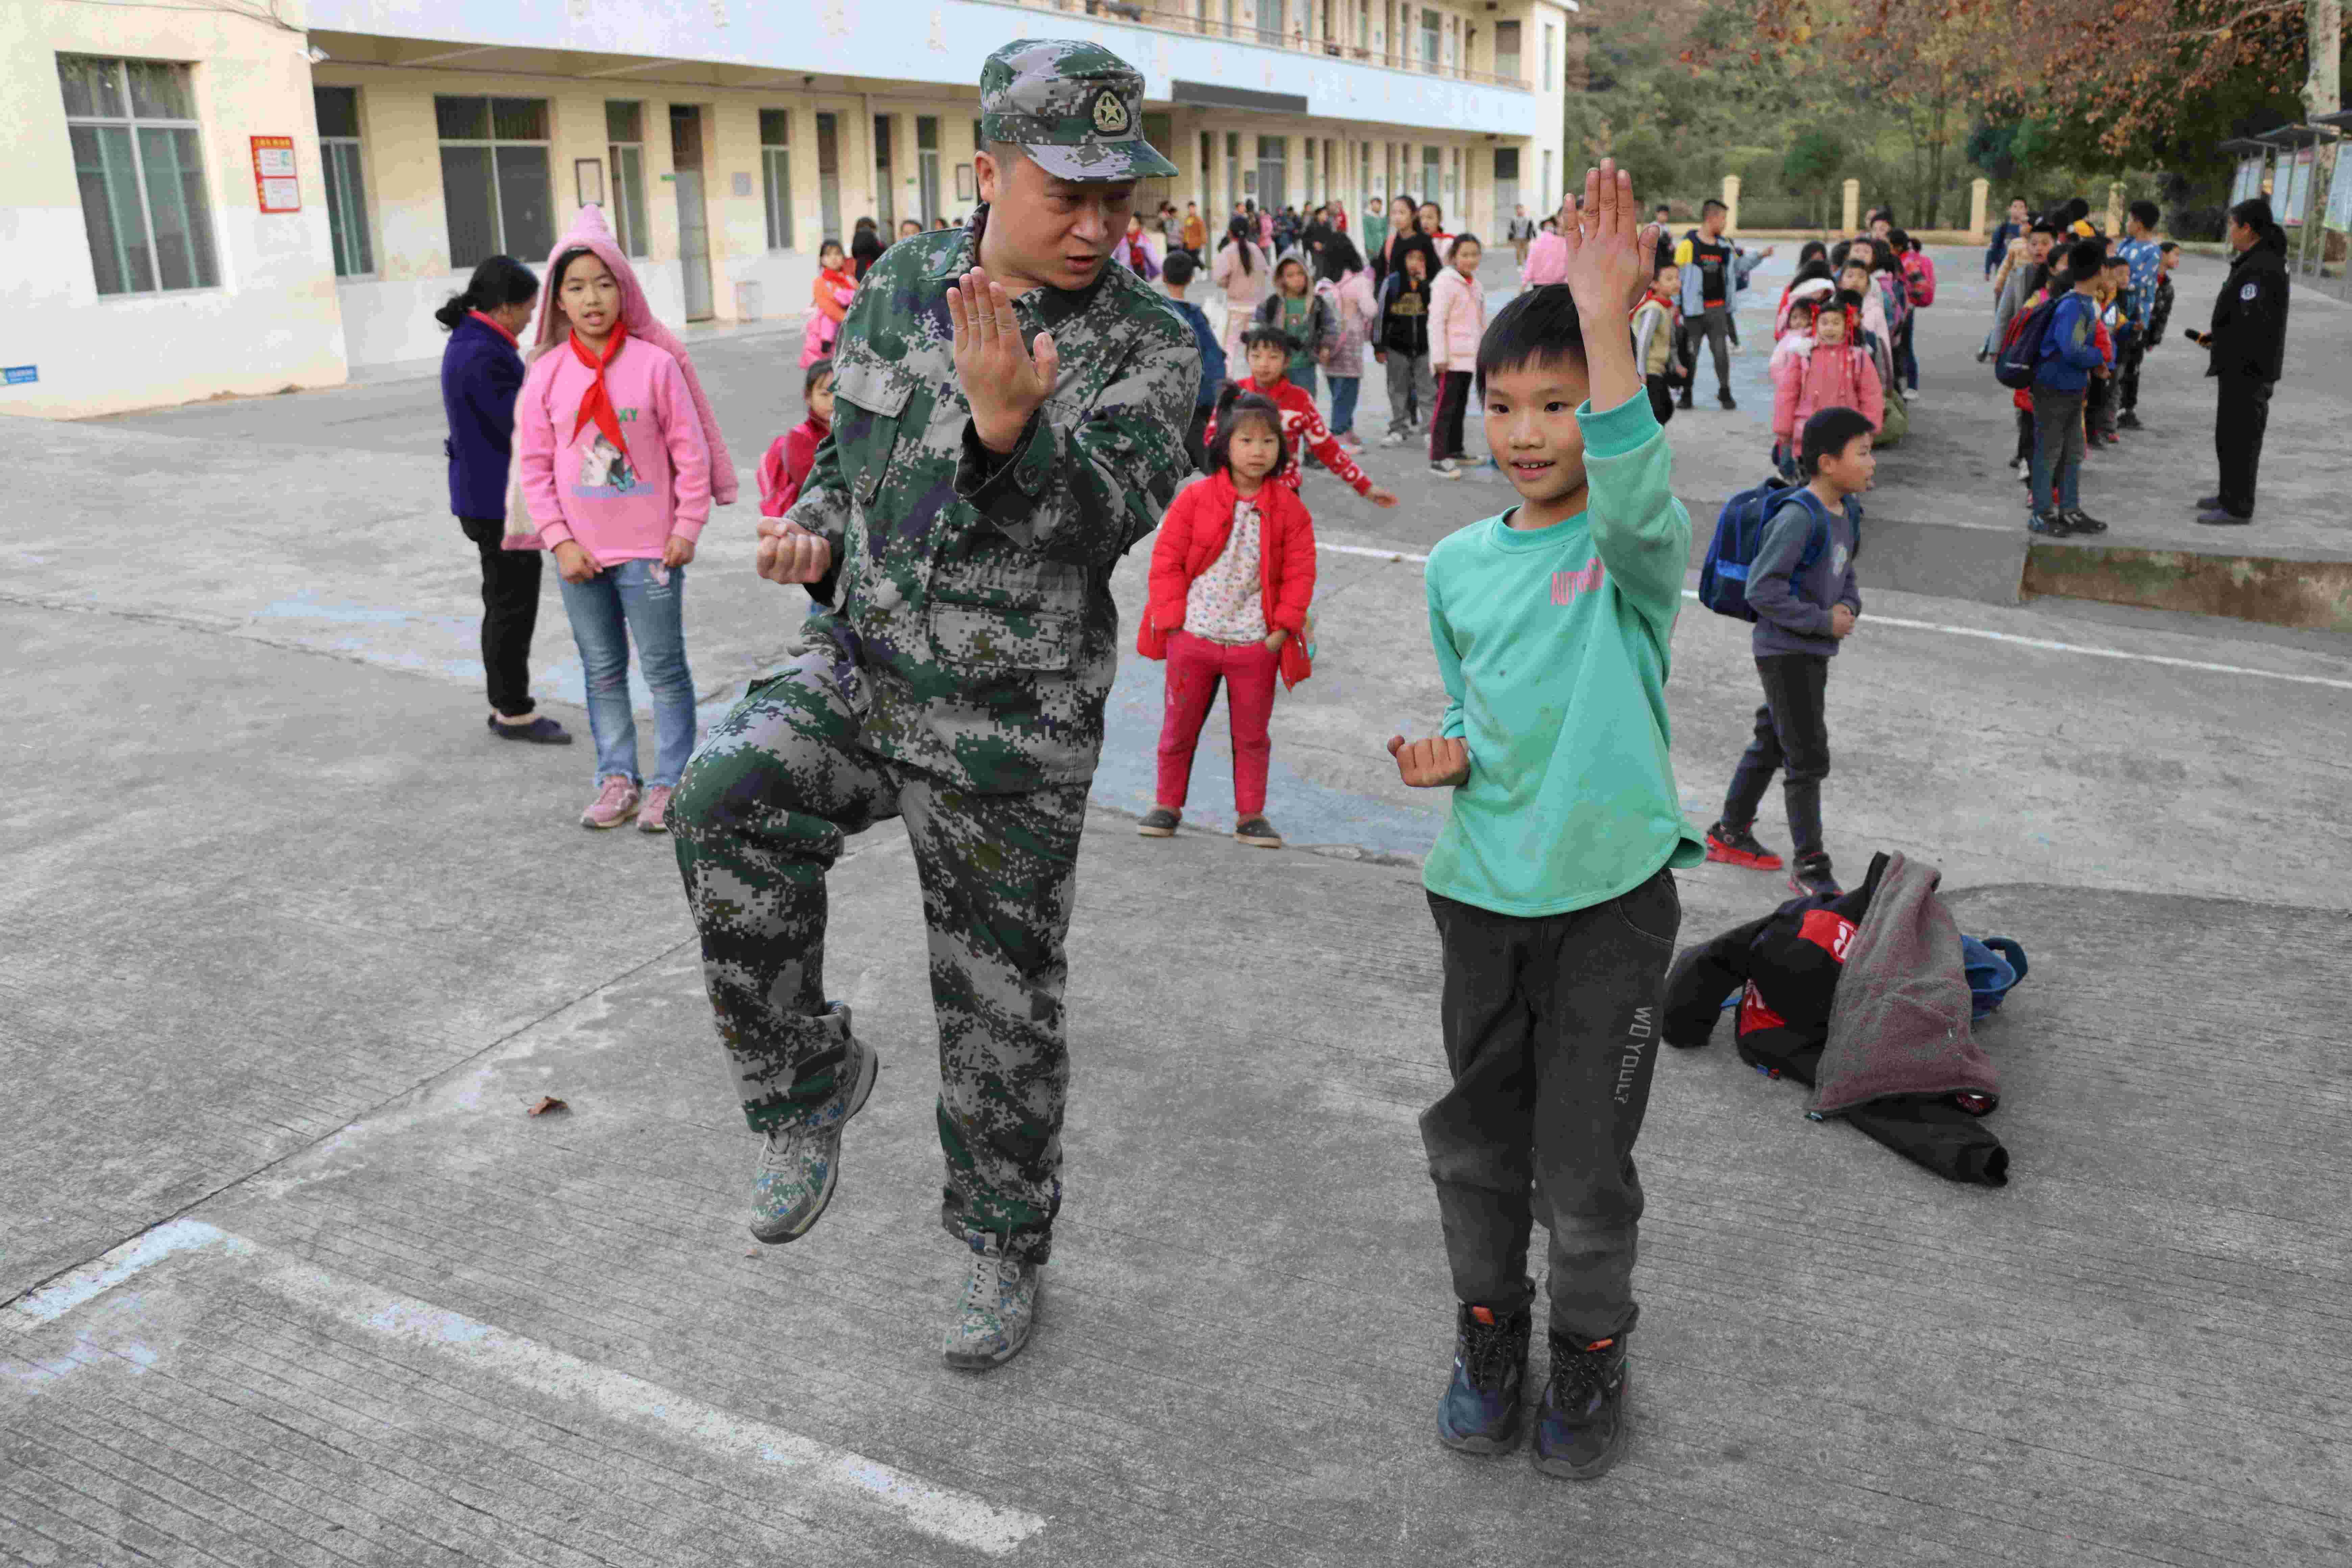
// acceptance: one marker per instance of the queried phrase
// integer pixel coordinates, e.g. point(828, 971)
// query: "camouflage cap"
point(1074, 106)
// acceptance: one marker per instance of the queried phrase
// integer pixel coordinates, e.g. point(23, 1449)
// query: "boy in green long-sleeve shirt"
point(1551, 884)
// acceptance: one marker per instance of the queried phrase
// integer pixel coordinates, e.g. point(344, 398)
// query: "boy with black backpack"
point(1801, 593)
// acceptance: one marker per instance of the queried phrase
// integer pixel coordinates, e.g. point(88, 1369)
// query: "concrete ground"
point(288, 945)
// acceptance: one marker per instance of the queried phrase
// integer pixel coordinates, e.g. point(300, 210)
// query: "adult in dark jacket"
point(2247, 344)
point(865, 245)
point(481, 371)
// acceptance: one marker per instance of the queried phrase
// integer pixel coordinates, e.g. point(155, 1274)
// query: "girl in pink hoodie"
point(619, 461)
point(1832, 370)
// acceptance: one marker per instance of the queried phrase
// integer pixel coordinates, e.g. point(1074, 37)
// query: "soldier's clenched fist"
point(791, 553)
point(1428, 764)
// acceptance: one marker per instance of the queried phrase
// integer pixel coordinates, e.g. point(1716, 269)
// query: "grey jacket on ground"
point(1793, 612)
point(1899, 1022)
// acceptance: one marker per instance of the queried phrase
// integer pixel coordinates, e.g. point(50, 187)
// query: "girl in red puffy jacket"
point(1231, 575)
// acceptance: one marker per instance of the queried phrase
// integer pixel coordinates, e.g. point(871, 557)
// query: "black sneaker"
point(2053, 523)
point(1724, 397)
point(1684, 402)
point(2208, 503)
point(2127, 420)
point(1740, 846)
point(1480, 1412)
point(1160, 823)
point(2082, 522)
point(1581, 1425)
point(1811, 877)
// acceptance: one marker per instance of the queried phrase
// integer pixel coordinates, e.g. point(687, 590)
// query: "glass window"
point(927, 165)
point(1429, 41)
point(624, 138)
point(828, 177)
point(338, 108)
point(141, 172)
point(1507, 48)
point(776, 175)
point(495, 187)
point(886, 191)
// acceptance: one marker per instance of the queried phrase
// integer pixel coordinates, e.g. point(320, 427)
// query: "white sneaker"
point(1446, 470)
point(1392, 439)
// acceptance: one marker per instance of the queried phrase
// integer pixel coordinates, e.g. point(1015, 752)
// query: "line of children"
point(1457, 322)
point(619, 461)
point(1818, 364)
point(1233, 573)
point(1802, 586)
point(1551, 885)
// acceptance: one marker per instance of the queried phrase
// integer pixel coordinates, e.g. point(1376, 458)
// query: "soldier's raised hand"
point(1003, 380)
point(791, 553)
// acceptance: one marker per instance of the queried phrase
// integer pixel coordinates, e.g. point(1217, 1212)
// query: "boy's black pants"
point(1196, 438)
point(1446, 425)
point(2127, 374)
point(1661, 397)
point(509, 613)
point(1792, 735)
point(1551, 1028)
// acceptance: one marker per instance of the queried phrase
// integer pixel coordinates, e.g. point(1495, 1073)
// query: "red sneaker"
point(1738, 846)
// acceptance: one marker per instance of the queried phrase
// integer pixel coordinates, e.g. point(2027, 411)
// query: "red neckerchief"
point(840, 279)
point(492, 324)
point(597, 403)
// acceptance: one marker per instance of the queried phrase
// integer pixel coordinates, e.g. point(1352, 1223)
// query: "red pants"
point(1196, 665)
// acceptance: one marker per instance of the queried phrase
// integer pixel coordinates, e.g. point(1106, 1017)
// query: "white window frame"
point(500, 241)
point(130, 122)
point(626, 179)
point(776, 178)
point(339, 155)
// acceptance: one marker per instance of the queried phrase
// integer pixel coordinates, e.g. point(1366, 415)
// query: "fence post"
point(2116, 210)
point(1979, 190)
point(1853, 218)
point(1731, 201)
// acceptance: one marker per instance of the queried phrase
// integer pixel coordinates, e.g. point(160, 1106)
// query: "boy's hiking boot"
point(1160, 823)
point(2082, 522)
point(1257, 832)
point(1738, 846)
point(616, 802)
point(800, 1163)
point(1480, 1412)
point(1581, 1425)
point(1811, 877)
point(998, 1309)
point(2053, 523)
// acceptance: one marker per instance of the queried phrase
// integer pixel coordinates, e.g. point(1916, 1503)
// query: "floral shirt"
point(1227, 603)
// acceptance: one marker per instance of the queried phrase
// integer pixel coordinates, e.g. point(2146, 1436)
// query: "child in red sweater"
point(787, 464)
point(1231, 575)
point(1302, 428)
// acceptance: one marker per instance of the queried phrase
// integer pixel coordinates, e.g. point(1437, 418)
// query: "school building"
point(258, 194)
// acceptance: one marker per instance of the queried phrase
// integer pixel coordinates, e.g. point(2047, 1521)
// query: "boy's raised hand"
point(1610, 250)
point(1432, 763)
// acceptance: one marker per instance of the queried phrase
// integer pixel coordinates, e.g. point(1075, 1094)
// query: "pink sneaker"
point(615, 803)
point(654, 815)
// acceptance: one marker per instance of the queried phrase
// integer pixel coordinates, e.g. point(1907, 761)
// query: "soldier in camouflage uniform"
point(1009, 419)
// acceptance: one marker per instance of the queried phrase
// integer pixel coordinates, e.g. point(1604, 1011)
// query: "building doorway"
point(693, 217)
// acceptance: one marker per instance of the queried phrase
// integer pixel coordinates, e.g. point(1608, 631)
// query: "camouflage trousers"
point(758, 821)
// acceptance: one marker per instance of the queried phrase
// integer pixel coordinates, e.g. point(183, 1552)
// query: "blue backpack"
point(2021, 350)
point(1739, 534)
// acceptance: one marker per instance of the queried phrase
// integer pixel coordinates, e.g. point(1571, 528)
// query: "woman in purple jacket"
point(481, 371)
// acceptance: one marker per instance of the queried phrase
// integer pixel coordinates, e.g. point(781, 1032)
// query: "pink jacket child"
point(1457, 320)
point(1813, 375)
point(589, 232)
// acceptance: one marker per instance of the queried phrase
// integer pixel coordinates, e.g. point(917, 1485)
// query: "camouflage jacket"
point(972, 592)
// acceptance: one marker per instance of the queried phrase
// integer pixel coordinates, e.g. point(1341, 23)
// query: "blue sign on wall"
point(18, 375)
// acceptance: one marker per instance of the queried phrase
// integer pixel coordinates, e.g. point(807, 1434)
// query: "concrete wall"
point(272, 320)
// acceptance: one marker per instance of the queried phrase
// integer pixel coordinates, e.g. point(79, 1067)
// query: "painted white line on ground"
point(825, 1479)
point(94, 1279)
point(2046, 644)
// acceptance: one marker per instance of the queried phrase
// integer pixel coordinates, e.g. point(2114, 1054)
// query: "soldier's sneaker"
point(998, 1311)
point(1160, 822)
point(799, 1164)
point(1580, 1424)
point(1480, 1412)
point(615, 803)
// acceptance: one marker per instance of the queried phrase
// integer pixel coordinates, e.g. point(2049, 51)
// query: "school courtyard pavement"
point(287, 946)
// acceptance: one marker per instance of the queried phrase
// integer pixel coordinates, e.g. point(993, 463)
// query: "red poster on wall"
point(273, 174)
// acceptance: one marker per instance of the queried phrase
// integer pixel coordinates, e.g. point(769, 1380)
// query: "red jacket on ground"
point(1193, 534)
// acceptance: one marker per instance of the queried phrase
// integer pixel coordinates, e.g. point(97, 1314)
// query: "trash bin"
point(747, 300)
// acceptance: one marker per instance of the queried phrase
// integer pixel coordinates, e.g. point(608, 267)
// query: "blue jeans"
point(1343, 402)
point(622, 603)
point(1302, 376)
point(1906, 363)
